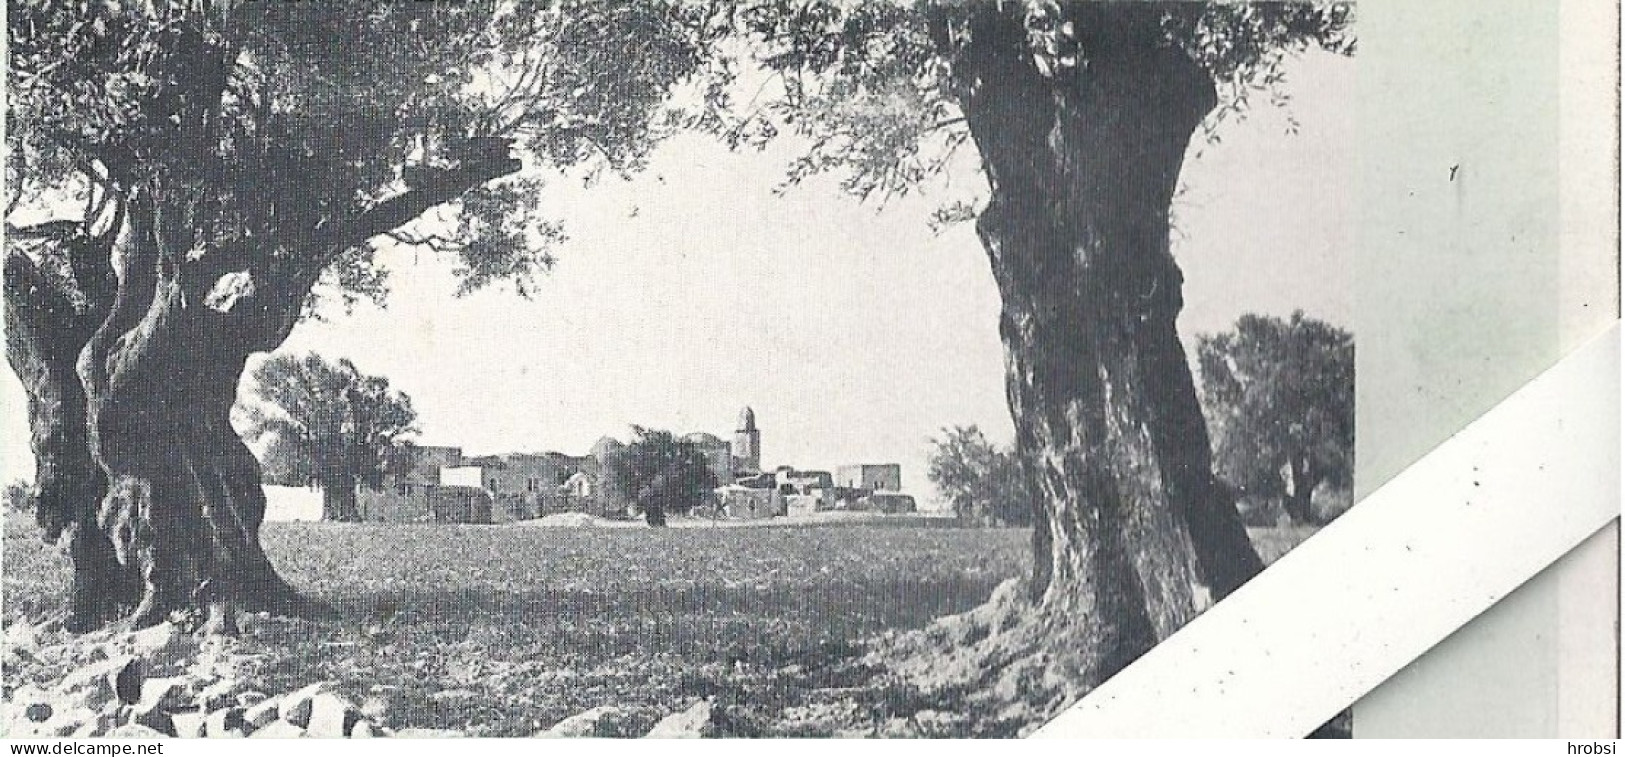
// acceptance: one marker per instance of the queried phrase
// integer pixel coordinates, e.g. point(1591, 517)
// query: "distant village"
point(443, 485)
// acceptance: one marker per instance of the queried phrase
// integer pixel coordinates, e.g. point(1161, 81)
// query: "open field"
point(504, 630)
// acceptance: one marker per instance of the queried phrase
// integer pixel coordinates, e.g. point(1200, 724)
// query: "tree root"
point(1013, 663)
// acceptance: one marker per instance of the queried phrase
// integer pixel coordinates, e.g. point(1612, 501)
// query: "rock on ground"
point(692, 723)
point(606, 722)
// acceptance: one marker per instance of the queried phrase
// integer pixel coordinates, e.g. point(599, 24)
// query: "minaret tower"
point(747, 450)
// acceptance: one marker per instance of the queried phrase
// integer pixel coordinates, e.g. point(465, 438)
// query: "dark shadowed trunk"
point(131, 376)
point(184, 502)
point(1083, 165)
point(1300, 502)
point(131, 379)
point(338, 499)
point(46, 326)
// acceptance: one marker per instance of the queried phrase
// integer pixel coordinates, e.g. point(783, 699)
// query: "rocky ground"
point(167, 682)
point(164, 682)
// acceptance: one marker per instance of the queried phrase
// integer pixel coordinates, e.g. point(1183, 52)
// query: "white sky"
point(854, 331)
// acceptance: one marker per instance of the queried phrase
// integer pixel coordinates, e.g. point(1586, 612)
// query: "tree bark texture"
point(339, 500)
point(1300, 502)
point(131, 375)
point(1083, 162)
point(183, 502)
point(45, 328)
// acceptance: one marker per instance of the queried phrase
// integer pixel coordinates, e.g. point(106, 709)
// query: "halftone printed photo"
point(658, 369)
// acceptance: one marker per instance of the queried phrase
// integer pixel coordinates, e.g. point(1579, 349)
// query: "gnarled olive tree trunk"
point(1083, 161)
point(131, 377)
point(47, 324)
point(130, 381)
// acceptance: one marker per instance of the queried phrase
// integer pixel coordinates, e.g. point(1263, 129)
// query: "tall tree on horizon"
point(983, 482)
point(658, 474)
point(1280, 393)
point(329, 423)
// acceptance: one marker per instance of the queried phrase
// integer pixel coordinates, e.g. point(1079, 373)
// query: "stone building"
point(747, 447)
point(521, 486)
point(885, 477)
point(749, 503)
point(443, 485)
point(408, 497)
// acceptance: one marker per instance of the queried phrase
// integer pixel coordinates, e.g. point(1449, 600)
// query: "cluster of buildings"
point(444, 485)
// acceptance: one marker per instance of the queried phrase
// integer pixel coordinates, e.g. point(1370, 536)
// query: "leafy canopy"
point(658, 473)
point(873, 86)
point(982, 482)
point(1280, 393)
point(327, 421)
point(279, 125)
point(284, 125)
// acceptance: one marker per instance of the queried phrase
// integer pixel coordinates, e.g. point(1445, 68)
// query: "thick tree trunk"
point(45, 330)
point(185, 501)
point(130, 398)
point(339, 501)
point(1083, 160)
point(1300, 502)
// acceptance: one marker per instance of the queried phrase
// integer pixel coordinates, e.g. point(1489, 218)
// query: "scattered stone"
point(133, 731)
point(128, 681)
point(898, 728)
point(375, 707)
point(188, 725)
point(22, 638)
point(692, 723)
point(154, 718)
point(363, 729)
point(607, 721)
point(936, 724)
point(280, 729)
point(37, 712)
point(161, 645)
point(94, 686)
point(250, 698)
point(220, 694)
point(331, 716)
point(63, 724)
point(427, 733)
point(96, 726)
point(29, 693)
point(455, 696)
point(224, 723)
point(261, 714)
point(163, 693)
point(296, 707)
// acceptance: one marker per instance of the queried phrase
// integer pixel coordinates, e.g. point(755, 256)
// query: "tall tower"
point(747, 444)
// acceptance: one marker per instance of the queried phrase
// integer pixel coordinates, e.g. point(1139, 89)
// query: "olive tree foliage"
point(184, 174)
point(877, 89)
point(1280, 399)
point(329, 423)
point(982, 481)
point(658, 474)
